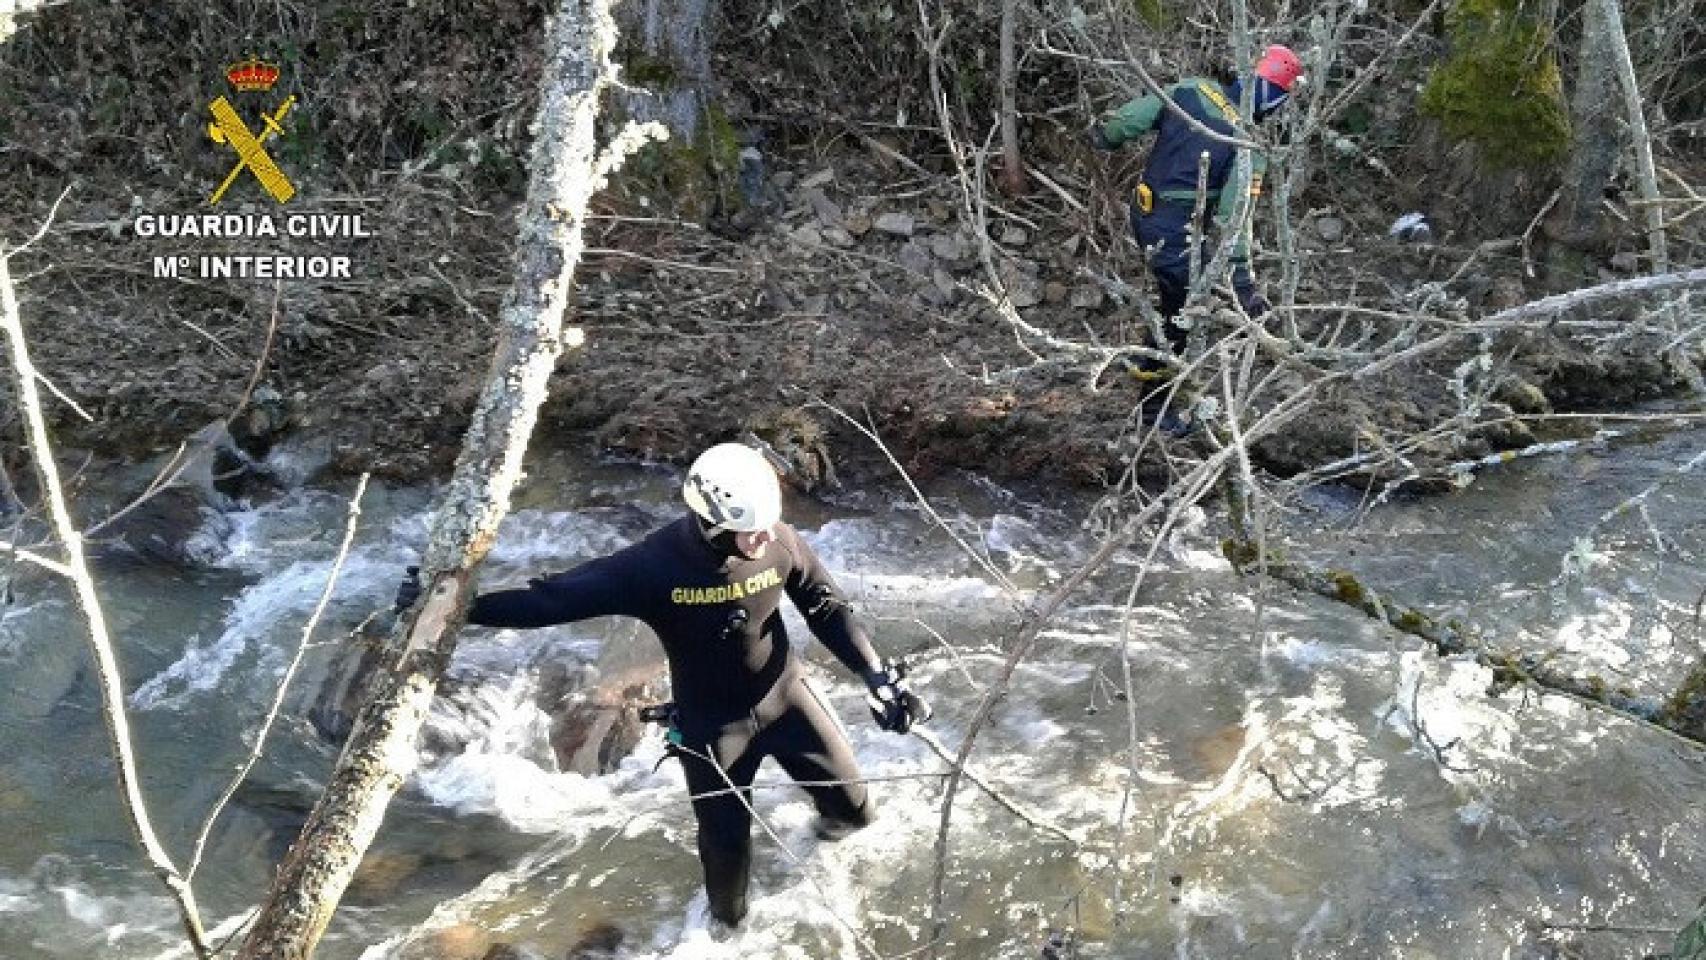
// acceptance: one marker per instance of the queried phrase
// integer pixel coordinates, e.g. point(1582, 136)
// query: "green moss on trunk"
point(1685, 711)
point(699, 177)
point(1501, 88)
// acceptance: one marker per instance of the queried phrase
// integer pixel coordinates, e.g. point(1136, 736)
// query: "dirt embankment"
point(734, 284)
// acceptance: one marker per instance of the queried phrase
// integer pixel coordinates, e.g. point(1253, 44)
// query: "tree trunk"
point(666, 57)
point(381, 752)
point(1646, 173)
point(1593, 154)
point(1012, 163)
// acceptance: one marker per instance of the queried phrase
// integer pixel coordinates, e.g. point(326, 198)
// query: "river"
point(1306, 783)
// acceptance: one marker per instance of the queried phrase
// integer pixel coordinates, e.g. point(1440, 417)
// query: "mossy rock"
point(801, 440)
point(1501, 88)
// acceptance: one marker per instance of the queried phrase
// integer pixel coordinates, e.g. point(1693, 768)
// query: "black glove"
point(893, 704)
point(408, 591)
point(1097, 138)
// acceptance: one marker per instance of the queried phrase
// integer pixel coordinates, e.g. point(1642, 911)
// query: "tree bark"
point(381, 752)
point(1611, 16)
point(1012, 163)
point(1593, 155)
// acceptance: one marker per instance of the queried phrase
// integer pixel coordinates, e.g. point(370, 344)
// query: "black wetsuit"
point(738, 685)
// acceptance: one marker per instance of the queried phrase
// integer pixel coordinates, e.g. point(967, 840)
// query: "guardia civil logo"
point(309, 243)
point(229, 129)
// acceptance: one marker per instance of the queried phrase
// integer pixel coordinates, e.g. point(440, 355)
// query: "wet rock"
point(1012, 236)
point(599, 942)
point(594, 729)
point(801, 441)
point(1626, 262)
point(503, 951)
point(915, 258)
point(181, 526)
point(1087, 297)
point(1330, 229)
point(1056, 292)
point(464, 941)
point(332, 714)
point(382, 875)
point(895, 223)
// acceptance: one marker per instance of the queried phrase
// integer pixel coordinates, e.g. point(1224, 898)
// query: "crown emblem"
point(252, 74)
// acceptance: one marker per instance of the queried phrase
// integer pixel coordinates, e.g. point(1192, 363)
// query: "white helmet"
point(733, 487)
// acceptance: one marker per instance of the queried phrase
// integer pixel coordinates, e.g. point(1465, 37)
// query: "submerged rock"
point(593, 729)
point(333, 712)
point(598, 942)
point(180, 526)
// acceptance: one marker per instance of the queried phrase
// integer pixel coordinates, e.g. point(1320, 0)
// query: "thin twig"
point(260, 361)
point(100, 640)
point(260, 735)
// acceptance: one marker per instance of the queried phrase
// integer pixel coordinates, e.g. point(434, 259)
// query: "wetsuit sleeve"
point(598, 588)
point(826, 609)
point(1134, 119)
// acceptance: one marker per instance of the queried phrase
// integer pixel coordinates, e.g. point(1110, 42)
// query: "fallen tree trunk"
point(566, 169)
point(1452, 637)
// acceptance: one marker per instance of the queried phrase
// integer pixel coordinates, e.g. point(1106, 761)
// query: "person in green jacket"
point(1164, 202)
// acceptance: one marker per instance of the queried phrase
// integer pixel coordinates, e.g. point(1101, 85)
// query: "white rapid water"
point(1301, 783)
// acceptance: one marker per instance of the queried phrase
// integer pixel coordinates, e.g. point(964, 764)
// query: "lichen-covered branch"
point(76, 571)
point(566, 167)
point(1452, 637)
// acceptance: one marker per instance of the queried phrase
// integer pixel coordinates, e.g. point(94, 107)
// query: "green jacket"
point(1171, 171)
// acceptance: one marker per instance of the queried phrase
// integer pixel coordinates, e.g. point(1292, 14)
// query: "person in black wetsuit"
point(710, 586)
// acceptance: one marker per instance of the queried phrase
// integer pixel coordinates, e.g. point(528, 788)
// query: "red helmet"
point(1280, 67)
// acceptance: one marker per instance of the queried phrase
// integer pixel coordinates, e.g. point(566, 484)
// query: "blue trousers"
point(1165, 235)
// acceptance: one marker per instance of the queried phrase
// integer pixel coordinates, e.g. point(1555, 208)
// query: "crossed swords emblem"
point(229, 128)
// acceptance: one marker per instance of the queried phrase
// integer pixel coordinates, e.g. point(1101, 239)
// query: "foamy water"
point(1301, 783)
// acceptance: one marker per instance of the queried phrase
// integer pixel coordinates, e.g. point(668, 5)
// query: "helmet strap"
point(720, 538)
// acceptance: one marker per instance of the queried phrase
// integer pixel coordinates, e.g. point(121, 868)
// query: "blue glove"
point(893, 704)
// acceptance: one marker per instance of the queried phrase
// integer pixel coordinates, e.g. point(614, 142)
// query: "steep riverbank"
point(733, 281)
